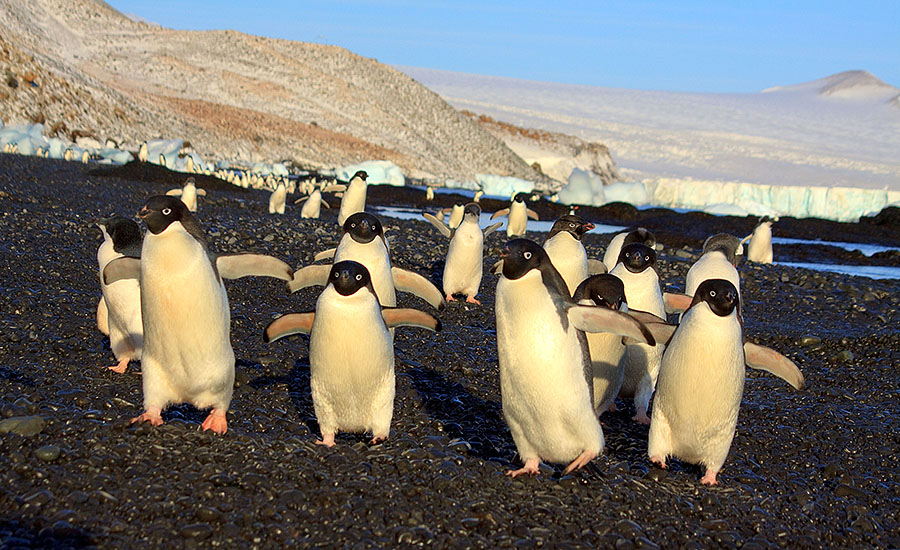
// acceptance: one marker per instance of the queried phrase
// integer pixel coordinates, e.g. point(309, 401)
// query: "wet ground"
point(809, 469)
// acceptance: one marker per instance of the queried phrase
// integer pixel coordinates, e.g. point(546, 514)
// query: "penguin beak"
point(143, 212)
point(587, 226)
point(504, 252)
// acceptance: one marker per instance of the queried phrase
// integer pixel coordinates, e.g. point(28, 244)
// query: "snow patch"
point(380, 172)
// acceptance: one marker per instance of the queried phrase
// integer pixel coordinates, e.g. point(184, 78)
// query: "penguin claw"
point(580, 461)
point(659, 462)
point(641, 418)
point(450, 298)
point(472, 300)
point(119, 368)
point(153, 418)
point(531, 467)
point(709, 478)
point(327, 440)
point(216, 422)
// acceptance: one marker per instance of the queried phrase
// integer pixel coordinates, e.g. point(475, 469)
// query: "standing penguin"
point(188, 193)
point(122, 299)
point(720, 254)
point(544, 364)
point(313, 201)
point(354, 199)
point(639, 235)
point(276, 199)
point(517, 216)
point(701, 380)
point(636, 269)
point(187, 355)
point(456, 215)
point(563, 246)
point(760, 248)
point(465, 257)
point(351, 353)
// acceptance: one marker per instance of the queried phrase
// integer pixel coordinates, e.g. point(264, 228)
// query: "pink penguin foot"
point(327, 440)
point(216, 422)
point(580, 461)
point(472, 300)
point(450, 298)
point(641, 418)
point(152, 415)
point(378, 439)
point(121, 367)
point(530, 467)
point(709, 478)
point(659, 461)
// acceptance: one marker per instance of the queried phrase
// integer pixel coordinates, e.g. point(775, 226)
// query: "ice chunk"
point(584, 188)
point(380, 172)
point(115, 156)
point(503, 186)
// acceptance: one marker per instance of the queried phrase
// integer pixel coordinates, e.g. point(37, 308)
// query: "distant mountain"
point(856, 85)
point(83, 68)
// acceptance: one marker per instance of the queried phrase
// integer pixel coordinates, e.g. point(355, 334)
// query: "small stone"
point(22, 425)
point(844, 356)
point(844, 490)
point(809, 340)
point(198, 531)
point(269, 238)
point(48, 453)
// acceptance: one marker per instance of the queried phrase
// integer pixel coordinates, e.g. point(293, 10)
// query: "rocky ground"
point(808, 469)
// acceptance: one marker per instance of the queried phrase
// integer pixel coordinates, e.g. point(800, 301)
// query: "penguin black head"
point(363, 227)
point(191, 181)
point(125, 234)
point(729, 245)
point(521, 256)
point(604, 290)
point(348, 277)
point(719, 294)
point(473, 209)
point(520, 197)
point(637, 257)
point(571, 223)
point(162, 210)
point(361, 174)
point(640, 235)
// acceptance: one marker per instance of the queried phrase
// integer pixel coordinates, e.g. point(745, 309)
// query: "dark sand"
point(816, 468)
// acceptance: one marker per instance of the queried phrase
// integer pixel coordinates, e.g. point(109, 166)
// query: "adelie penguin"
point(188, 193)
point(759, 249)
point(187, 354)
point(563, 245)
point(277, 199)
point(465, 258)
point(545, 369)
point(701, 380)
point(721, 253)
point(516, 216)
point(363, 241)
point(639, 235)
point(122, 299)
point(351, 352)
point(312, 203)
point(354, 199)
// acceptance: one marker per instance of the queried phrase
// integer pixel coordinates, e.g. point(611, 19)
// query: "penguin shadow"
point(9, 374)
point(463, 416)
point(297, 381)
point(60, 535)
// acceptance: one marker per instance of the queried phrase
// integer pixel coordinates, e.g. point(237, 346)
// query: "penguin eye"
point(352, 225)
point(647, 258)
point(571, 225)
point(336, 275)
point(527, 255)
point(166, 211)
point(712, 293)
point(358, 277)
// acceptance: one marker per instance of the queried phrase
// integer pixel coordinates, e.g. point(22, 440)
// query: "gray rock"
point(48, 453)
point(22, 425)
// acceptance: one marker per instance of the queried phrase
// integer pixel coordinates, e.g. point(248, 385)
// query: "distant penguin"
point(639, 235)
point(85, 157)
point(187, 355)
point(455, 215)
point(351, 353)
point(563, 246)
point(429, 193)
point(759, 249)
point(354, 199)
point(188, 193)
point(544, 363)
point(517, 216)
point(465, 257)
point(636, 269)
point(276, 199)
point(142, 152)
point(121, 299)
point(313, 205)
point(720, 256)
point(478, 195)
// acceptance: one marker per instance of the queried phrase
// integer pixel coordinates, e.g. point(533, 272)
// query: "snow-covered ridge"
point(852, 85)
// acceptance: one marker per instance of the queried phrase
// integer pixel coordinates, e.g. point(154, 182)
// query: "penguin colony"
point(570, 338)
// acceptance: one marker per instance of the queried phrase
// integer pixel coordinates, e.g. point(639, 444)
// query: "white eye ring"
point(712, 293)
point(359, 277)
point(527, 255)
point(166, 211)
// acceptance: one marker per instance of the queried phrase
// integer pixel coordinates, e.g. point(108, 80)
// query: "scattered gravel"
point(807, 469)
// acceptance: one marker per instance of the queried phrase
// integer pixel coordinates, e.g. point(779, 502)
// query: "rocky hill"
point(82, 68)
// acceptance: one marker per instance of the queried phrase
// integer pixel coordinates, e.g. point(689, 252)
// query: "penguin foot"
point(377, 439)
point(121, 367)
point(216, 422)
point(327, 440)
point(450, 298)
point(152, 415)
point(641, 418)
point(659, 461)
point(472, 300)
point(580, 461)
point(531, 467)
point(709, 478)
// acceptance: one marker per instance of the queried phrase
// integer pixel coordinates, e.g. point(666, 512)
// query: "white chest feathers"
point(712, 265)
point(375, 257)
point(568, 256)
point(465, 260)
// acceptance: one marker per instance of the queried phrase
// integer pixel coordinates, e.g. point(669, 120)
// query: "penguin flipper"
point(531, 214)
point(407, 281)
point(498, 213)
point(288, 325)
point(325, 204)
point(334, 188)
point(491, 228)
point(675, 302)
point(103, 316)
point(763, 358)
point(201, 192)
point(257, 265)
point(441, 226)
point(408, 317)
point(300, 200)
point(311, 275)
point(596, 267)
point(325, 255)
point(122, 268)
point(645, 317)
point(174, 192)
point(661, 331)
point(601, 319)
point(497, 268)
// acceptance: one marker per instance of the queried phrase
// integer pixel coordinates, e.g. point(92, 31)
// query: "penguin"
point(465, 257)
point(517, 216)
point(276, 199)
point(354, 199)
point(636, 269)
point(363, 241)
point(720, 256)
point(544, 362)
point(121, 299)
point(760, 248)
point(563, 246)
point(313, 202)
point(478, 195)
point(456, 215)
point(701, 380)
point(103, 316)
point(188, 193)
point(429, 193)
point(607, 350)
point(85, 157)
point(639, 235)
point(351, 353)
point(142, 152)
point(187, 354)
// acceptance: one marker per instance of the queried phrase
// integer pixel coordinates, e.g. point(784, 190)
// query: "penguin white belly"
point(760, 247)
point(699, 390)
point(189, 197)
point(123, 305)
point(568, 256)
point(353, 201)
point(465, 264)
point(611, 257)
point(187, 347)
point(313, 205)
point(607, 366)
point(546, 401)
point(712, 265)
point(374, 256)
point(276, 200)
point(351, 357)
point(517, 219)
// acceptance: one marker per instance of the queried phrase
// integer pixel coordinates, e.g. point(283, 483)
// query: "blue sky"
point(701, 46)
